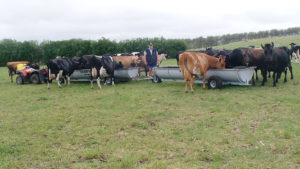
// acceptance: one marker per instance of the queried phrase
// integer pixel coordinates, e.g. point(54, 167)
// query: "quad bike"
point(31, 75)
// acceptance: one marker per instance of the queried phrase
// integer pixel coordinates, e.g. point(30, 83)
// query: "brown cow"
point(193, 64)
point(142, 65)
point(127, 61)
point(12, 67)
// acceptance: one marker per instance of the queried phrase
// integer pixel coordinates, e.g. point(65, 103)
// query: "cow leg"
point(285, 72)
point(274, 81)
point(104, 81)
point(278, 76)
point(98, 82)
point(269, 74)
point(291, 70)
point(92, 81)
point(186, 88)
point(92, 84)
point(57, 78)
point(146, 71)
point(297, 57)
point(65, 80)
point(264, 75)
point(10, 75)
point(203, 80)
point(191, 84)
point(253, 81)
point(113, 81)
point(49, 76)
point(68, 77)
point(256, 75)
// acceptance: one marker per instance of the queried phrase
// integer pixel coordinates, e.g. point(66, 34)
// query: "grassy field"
point(278, 41)
point(144, 125)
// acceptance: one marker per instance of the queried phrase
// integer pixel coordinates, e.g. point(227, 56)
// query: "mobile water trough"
point(215, 78)
point(121, 75)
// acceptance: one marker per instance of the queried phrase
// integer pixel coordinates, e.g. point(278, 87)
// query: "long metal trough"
point(124, 74)
point(235, 76)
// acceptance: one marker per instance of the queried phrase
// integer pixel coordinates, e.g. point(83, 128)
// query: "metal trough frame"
point(124, 74)
point(235, 76)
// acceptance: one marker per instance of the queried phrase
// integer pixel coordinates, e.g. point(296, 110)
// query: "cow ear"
point(262, 46)
point(272, 44)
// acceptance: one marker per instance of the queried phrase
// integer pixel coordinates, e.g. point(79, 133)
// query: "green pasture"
point(278, 41)
point(140, 124)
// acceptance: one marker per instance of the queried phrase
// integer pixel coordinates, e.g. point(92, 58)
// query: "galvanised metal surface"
point(124, 74)
point(235, 76)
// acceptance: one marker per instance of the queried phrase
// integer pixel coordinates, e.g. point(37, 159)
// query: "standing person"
point(150, 56)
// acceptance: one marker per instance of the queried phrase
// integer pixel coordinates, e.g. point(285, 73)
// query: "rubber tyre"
point(215, 82)
point(19, 80)
point(156, 79)
point(35, 79)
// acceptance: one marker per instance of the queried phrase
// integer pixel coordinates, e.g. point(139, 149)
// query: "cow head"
point(292, 44)
point(268, 51)
point(76, 61)
point(246, 59)
point(221, 62)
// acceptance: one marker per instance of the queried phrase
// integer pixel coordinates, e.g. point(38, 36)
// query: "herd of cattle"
point(266, 58)
point(99, 66)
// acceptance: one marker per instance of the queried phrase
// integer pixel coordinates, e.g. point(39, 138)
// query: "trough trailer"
point(215, 78)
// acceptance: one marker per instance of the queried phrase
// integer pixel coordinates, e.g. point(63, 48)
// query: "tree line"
point(12, 50)
point(209, 41)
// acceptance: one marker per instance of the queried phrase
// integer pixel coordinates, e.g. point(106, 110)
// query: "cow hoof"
point(186, 91)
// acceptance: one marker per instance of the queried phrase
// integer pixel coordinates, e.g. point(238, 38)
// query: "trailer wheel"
point(156, 79)
point(35, 79)
point(215, 82)
point(19, 80)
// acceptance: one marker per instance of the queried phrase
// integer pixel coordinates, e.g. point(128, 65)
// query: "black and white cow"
point(295, 52)
point(100, 66)
point(62, 67)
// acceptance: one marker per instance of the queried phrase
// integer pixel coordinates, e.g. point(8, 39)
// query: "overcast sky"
point(119, 19)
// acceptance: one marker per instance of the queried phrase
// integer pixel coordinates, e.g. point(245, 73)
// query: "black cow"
point(63, 67)
point(100, 66)
point(211, 51)
point(276, 60)
point(295, 51)
point(236, 58)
